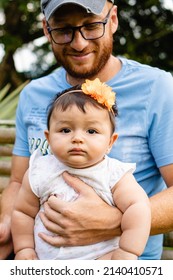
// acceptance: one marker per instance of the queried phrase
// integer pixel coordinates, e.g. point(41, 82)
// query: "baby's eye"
point(92, 131)
point(65, 130)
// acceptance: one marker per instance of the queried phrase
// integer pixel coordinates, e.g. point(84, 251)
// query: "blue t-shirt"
point(144, 98)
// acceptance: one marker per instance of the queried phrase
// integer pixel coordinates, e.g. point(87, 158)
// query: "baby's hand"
point(26, 254)
point(120, 254)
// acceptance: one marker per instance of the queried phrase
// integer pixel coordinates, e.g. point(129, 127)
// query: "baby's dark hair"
point(63, 100)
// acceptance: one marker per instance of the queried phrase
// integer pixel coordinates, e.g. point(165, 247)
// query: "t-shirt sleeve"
point(34, 174)
point(159, 118)
point(118, 169)
point(21, 147)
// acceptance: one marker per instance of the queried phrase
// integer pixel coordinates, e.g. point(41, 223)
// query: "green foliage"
point(9, 101)
point(4, 91)
point(21, 26)
point(145, 32)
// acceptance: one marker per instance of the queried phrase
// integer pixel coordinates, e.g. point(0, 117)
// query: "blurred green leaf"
point(4, 91)
point(9, 103)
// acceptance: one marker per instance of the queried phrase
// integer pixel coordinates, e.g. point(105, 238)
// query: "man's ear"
point(114, 20)
point(46, 33)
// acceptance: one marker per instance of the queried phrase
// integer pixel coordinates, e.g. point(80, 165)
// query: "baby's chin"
point(82, 165)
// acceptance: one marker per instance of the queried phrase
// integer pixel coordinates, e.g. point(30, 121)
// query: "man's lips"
point(80, 56)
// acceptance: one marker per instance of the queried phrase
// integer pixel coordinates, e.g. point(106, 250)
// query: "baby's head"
point(75, 96)
point(81, 124)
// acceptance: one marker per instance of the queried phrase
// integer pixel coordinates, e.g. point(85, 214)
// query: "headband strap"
point(97, 90)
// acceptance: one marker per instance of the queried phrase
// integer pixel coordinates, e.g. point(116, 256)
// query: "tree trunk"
point(8, 73)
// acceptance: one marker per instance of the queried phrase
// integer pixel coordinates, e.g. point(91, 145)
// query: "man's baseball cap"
point(92, 6)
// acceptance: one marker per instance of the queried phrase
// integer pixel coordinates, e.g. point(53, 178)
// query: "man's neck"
point(112, 67)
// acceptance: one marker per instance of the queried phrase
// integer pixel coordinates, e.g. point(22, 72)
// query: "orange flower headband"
point(100, 92)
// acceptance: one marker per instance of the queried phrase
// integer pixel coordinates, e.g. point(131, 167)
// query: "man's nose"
point(78, 43)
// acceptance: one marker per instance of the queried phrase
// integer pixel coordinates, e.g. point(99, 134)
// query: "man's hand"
point(6, 245)
point(86, 220)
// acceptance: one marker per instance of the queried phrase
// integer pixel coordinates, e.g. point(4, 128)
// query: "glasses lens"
point(62, 36)
point(93, 30)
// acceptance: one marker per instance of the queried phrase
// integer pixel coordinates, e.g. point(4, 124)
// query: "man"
point(81, 37)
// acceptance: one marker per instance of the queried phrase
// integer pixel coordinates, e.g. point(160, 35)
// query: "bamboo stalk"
point(4, 180)
point(167, 254)
point(7, 135)
point(5, 151)
point(7, 122)
point(5, 168)
point(168, 239)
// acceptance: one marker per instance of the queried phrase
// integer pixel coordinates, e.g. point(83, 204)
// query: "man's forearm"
point(7, 204)
point(8, 199)
point(162, 212)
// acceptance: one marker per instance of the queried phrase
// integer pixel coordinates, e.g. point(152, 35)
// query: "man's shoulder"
point(133, 64)
point(46, 85)
point(54, 77)
point(143, 73)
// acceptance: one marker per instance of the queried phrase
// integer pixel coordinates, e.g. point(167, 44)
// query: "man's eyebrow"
point(86, 16)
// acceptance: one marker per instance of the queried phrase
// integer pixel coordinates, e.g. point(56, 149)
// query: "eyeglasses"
point(90, 31)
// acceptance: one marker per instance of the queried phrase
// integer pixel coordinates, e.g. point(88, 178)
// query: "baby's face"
point(80, 139)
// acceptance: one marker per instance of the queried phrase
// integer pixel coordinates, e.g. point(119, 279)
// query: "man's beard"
point(92, 71)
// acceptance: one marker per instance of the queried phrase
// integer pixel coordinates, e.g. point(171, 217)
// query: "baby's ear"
point(113, 138)
point(46, 133)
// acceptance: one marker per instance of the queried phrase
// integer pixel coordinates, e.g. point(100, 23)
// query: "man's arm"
point(162, 204)
point(19, 166)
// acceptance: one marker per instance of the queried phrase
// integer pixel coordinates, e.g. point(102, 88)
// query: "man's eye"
point(63, 31)
point(92, 26)
point(92, 131)
point(65, 130)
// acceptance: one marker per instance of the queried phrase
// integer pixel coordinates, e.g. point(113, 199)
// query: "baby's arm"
point(132, 200)
point(25, 210)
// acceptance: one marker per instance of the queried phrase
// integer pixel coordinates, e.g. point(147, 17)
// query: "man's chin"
point(85, 74)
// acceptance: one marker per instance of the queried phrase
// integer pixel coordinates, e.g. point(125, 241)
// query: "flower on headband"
point(100, 92)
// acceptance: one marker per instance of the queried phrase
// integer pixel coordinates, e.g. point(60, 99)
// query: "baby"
point(81, 132)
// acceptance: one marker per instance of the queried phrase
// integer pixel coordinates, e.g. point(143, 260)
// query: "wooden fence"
point(7, 136)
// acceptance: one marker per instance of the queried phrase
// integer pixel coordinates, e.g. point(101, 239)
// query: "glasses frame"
point(78, 28)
